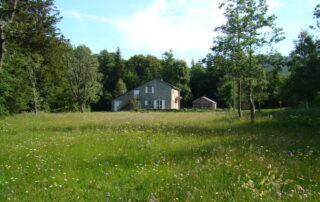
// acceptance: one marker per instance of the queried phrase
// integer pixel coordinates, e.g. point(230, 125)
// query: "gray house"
point(155, 94)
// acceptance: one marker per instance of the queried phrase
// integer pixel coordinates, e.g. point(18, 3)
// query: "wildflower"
point(300, 188)
point(279, 194)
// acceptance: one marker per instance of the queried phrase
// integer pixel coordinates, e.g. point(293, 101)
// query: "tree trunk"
point(239, 99)
point(252, 105)
point(33, 83)
point(2, 44)
point(35, 98)
point(234, 94)
point(81, 105)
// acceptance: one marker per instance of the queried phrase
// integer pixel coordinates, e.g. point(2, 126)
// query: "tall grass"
point(160, 156)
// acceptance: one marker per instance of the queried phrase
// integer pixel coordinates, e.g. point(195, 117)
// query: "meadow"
point(160, 156)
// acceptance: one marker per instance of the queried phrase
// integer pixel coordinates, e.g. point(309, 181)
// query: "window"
point(149, 89)
point(147, 102)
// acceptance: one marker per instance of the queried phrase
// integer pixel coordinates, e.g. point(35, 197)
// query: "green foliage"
point(5, 91)
point(141, 69)
point(303, 83)
point(189, 156)
point(316, 100)
point(84, 77)
point(276, 74)
point(135, 105)
point(35, 59)
point(120, 88)
point(242, 35)
point(106, 68)
point(177, 73)
point(119, 66)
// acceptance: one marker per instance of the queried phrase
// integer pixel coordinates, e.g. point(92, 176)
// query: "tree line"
point(41, 71)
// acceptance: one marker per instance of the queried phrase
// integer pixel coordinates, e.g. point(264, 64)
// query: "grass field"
point(158, 156)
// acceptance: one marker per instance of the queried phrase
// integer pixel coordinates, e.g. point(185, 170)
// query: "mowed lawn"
point(160, 156)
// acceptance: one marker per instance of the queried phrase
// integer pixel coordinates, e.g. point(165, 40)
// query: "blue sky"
point(155, 26)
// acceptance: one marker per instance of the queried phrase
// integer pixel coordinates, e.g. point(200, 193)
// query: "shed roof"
point(204, 98)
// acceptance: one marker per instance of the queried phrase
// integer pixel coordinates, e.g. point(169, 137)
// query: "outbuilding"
point(204, 103)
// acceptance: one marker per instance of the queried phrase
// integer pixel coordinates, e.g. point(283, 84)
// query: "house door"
point(159, 104)
point(116, 105)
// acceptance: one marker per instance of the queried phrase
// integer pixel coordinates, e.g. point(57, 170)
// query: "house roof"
point(161, 80)
point(204, 98)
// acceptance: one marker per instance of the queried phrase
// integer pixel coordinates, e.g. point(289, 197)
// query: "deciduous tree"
point(84, 77)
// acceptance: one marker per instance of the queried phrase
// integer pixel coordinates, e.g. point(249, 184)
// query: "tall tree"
point(276, 73)
point(248, 29)
point(230, 43)
point(106, 68)
point(7, 13)
point(177, 73)
point(257, 21)
point(84, 77)
point(33, 33)
point(304, 66)
point(140, 69)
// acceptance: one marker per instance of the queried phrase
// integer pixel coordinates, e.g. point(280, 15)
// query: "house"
point(204, 103)
point(155, 94)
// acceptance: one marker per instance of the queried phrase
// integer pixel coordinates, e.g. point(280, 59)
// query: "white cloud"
point(274, 4)
point(185, 26)
point(181, 25)
point(81, 16)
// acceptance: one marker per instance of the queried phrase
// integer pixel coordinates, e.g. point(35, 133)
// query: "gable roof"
point(204, 98)
point(161, 80)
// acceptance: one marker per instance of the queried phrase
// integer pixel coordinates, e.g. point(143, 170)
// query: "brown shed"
point(204, 103)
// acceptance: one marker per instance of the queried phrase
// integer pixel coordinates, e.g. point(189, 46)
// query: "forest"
point(40, 70)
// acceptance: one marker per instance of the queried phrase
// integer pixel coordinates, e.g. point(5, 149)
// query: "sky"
point(151, 27)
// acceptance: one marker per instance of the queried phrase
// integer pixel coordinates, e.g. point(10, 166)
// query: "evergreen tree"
point(35, 58)
point(7, 13)
point(120, 88)
point(106, 68)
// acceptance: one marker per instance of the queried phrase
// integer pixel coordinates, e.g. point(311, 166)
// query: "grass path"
point(160, 156)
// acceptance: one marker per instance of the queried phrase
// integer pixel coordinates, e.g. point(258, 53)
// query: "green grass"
point(164, 156)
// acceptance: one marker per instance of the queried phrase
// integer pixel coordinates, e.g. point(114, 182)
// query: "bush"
point(135, 105)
